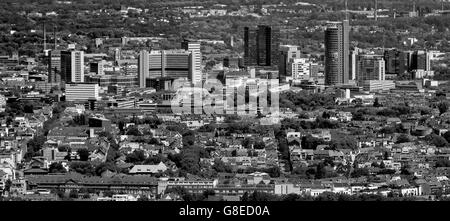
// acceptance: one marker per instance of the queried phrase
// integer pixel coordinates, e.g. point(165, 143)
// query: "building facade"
point(195, 60)
point(72, 66)
point(261, 46)
point(370, 67)
point(54, 66)
point(287, 54)
point(82, 92)
point(337, 53)
point(174, 64)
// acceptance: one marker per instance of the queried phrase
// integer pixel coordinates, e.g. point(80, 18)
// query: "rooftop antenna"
point(346, 10)
point(414, 6)
point(45, 37)
point(54, 36)
point(442, 5)
point(376, 10)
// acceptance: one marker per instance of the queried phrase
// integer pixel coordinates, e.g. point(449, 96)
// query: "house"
point(393, 120)
point(411, 191)
point(333, 154)
point(148, 169)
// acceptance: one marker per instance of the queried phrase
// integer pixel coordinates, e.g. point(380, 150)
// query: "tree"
point(35, 145)
point(436, 140)
point(403, 138)
point(310, 142)
point(359, 172)
point(143, 198)
point(273, 171)
point(442, 163)
point(84, 154)
point(259, 145)
point(376, 103)
point(82, 167)
point(136, 156)
point(133, 131)
point(8, 185)
point(442, 107)
point(220, 166)
point(321, 171)
point(73, 194)
point(56, 168)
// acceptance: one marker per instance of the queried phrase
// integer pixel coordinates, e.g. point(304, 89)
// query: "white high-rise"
point(195, 60)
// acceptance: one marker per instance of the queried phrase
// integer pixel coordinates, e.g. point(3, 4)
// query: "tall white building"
point(72, 66)
point(82, 92)
point(195, 60)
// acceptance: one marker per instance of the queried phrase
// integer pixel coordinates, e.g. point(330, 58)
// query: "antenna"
point(45, 37)
point(376, 10)
point(54, 36)
point(346, 10)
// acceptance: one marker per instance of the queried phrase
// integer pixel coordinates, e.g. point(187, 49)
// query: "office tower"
point(261, 46)
point(54, 66)
point(82, 92)
point(143, 67)
point(169, 64)
point(72, 66)
point(421, 61)
point(250, 45)
point(370, 67)
point(195, 60)
point(337, 53)
point(396, 62)
point(287, 54)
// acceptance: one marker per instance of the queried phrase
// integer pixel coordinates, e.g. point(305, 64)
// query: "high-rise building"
point(396, 62)
point(82, 92)
point(370, 67)
point(261, 46)
point(168, 64)
point(195, 60)
point(337, 53)
point(353, 63)
point(250, 45)
point(287, 54)
point(72, 66)
point(54, 66)
point(421, 61)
